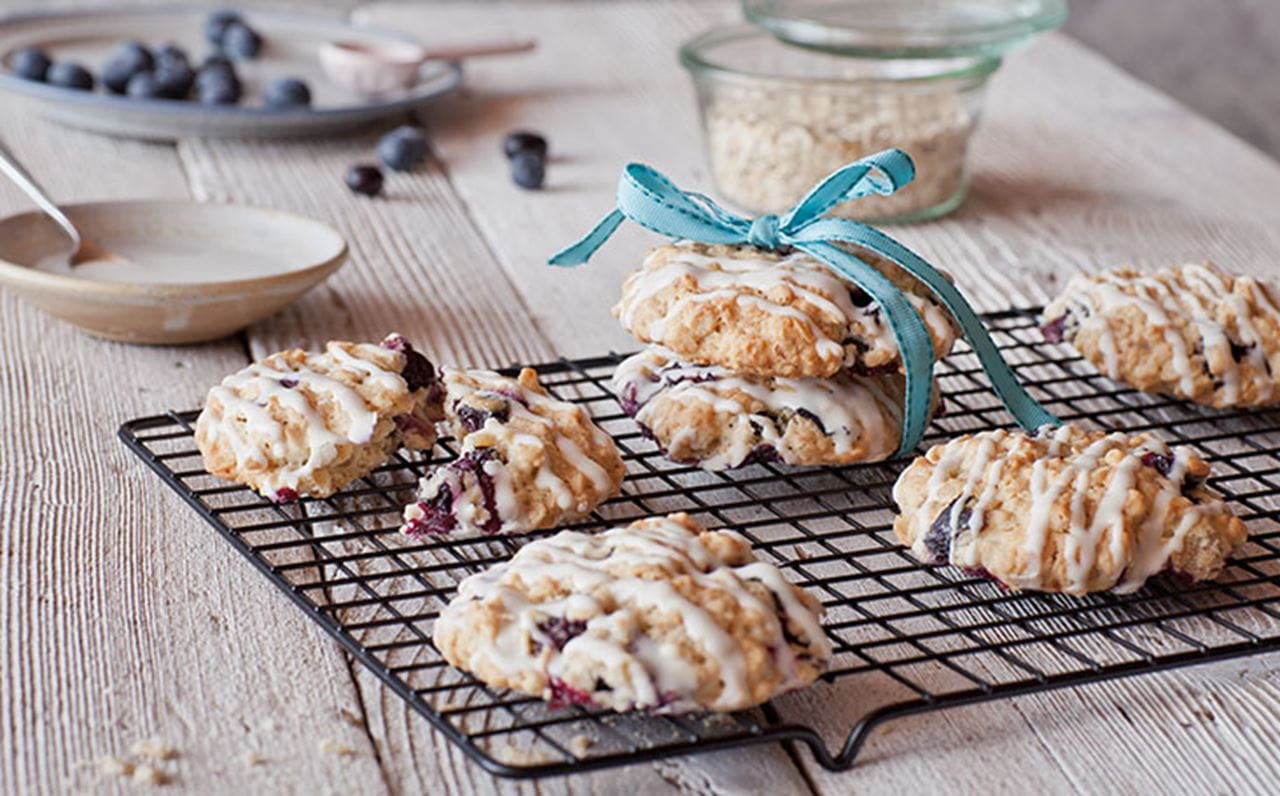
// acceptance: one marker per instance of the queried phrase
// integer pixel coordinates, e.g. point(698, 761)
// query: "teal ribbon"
point(651, 200)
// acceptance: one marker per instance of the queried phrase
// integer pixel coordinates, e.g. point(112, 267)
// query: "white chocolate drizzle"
point(772, 285)
point(246, 419)
point(597, 574)
point(1199, 293)
point(1090, 528)
point(851, 409)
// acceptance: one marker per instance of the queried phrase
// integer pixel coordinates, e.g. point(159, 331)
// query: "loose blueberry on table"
point(286, 92)
point(365, 179)
point(31, 63)
point(528, 169)
point(403, 149)
point(69, 74)
point(241, 41)
point(215, 26)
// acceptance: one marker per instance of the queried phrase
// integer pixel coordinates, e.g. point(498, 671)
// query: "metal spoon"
point(82, 250)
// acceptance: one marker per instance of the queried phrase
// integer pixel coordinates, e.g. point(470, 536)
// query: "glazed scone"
point(707, 416)
point(304, 423)
point(1194, 332)
point(759, 312)
point(660, 616)
point(1065, 510)
point(526, 460)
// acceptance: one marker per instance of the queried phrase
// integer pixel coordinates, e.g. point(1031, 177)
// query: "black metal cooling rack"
point(907, 638)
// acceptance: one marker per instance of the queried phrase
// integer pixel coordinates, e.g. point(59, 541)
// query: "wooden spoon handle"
point(456, 52)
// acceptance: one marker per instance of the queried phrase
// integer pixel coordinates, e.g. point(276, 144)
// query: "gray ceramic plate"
point(290, 43)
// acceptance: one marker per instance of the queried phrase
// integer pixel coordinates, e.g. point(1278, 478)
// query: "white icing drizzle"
point(774, 281)
point(850, 408)
point(468, 496)
point(642, 672)
point(246, 419)
point(978, 464)
point(1199, 293)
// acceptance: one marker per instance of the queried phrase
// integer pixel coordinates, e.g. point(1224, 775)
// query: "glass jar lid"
point(907, 28)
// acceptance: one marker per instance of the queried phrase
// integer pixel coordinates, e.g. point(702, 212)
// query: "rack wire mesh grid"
point(907, 638)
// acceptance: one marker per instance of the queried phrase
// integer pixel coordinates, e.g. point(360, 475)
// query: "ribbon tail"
point(1025, 409)
point(579, 252)
point(914, 343)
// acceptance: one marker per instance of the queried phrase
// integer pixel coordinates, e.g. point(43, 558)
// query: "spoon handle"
point(477, 49)
point(14, 170)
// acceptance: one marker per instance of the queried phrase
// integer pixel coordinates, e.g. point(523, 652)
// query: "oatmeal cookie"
point(660, 616)
point(768, 314)
point(707, 416)
point(302, 423)
point(526, 460)
point(1065, 510)
point(1194, 332)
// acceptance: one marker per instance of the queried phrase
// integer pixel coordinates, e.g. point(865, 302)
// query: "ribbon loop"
point(648, 198)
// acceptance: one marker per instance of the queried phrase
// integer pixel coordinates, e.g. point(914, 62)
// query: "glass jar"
point(777, 118)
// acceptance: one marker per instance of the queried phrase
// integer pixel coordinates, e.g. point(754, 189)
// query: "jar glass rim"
point(695, 56)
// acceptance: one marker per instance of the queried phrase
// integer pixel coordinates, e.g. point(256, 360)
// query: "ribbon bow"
point(651, 200)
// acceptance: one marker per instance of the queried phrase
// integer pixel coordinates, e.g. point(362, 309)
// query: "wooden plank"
point(123, 615)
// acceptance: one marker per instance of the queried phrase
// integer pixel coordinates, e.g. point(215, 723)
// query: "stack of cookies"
point(761, 356)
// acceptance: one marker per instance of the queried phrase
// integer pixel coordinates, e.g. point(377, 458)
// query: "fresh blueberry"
point(143, 86)
point(403, 149)
point(116, 75)
point(69, 74)
point(528, 169)
point(218, 92)
point(215, 61)
point(241, 41)
point(218, 73)
point(171, 54)
point(134, 53)
point(365, 179)
point(174, 80)
point(524, 141)
point(215, 25)
point(31, 63)
point(287, 92)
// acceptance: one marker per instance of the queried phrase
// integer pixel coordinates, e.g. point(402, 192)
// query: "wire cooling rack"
point(907, 638)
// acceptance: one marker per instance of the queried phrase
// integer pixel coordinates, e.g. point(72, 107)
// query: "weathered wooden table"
point(124, 617)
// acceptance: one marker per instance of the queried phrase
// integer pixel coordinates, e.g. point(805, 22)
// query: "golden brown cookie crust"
point(660, 615)
point(1192, 331)
point(1065, 510)
point(760, 312)
point(307, 423)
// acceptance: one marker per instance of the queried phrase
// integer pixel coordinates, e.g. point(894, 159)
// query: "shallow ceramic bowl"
point(261, 261)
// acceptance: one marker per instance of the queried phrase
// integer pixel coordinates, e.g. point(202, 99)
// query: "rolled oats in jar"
point(778, 118)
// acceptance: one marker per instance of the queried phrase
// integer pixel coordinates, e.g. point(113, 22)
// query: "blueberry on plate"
point(116, 75)
point(143, 85)
point(524, 141)
point(286, 92)
point(241, 41)
point(215, 25)
point(218, 92)
point(134, 53)
point(31, 63)
point(216, 61)
point(403, 148)
point(528, 169)
point(174, 80)
point(365, 179)
point(171, 55)
point(69, 74)
point(217, 73)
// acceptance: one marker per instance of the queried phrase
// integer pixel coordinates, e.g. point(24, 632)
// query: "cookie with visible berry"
point(1065, 510)
point(769, 314)
point(301, 423)
point(660, 616)
point(1194, 332)
point(707, 416)
point(526, 460)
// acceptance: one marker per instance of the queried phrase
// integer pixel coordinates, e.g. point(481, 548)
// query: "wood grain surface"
point(123, 616)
